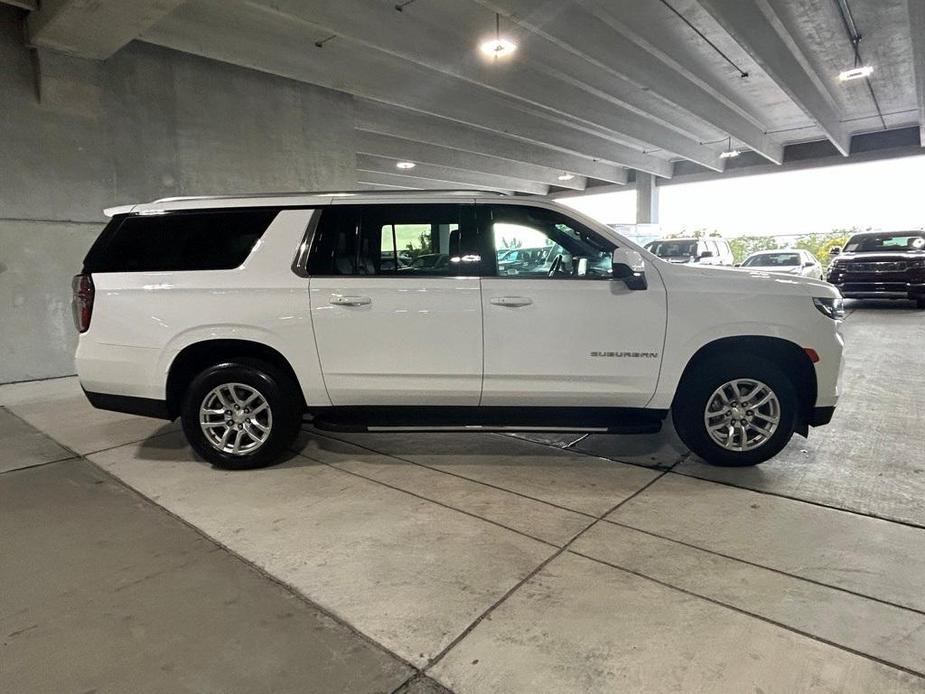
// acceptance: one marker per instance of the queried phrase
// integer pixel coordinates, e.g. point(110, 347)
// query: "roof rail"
point(334, 193)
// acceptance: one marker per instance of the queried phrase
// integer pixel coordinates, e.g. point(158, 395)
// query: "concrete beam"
point(410, 125)
point(367, 162)
point(398, 149)
point(440, 45)
point(94, 29)
point(614, 54)
point(917, 30)
point(646, 199)
point(262, 38)
point(403, 182)
point(31, 5)
point(763, 34)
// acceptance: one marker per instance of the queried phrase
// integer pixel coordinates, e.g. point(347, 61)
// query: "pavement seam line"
point(578, 451)
point(765, 492)
point(454, 474)
point(254, 567)
point(478, 620)
point(429, 500)
point(71, 450)
point(270, 577)
point(767, 568)
point(35, 465)
point(752, 615)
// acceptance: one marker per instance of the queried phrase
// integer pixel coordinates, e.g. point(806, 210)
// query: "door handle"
point(511, 300)
point(338, 300)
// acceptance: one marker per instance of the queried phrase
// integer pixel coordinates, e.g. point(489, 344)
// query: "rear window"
point(178, 241)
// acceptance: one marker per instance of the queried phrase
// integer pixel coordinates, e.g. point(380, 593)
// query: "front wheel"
point(736, 412)
point(241, 414)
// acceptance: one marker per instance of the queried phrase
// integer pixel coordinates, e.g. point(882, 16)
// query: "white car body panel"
point(417, 342)
point(420, 340)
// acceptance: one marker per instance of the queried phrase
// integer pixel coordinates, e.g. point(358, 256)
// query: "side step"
point(600, 420)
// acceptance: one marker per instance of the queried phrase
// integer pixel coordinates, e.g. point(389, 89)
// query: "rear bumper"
point(144, 407)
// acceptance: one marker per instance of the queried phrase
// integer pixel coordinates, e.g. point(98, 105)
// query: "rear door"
point(562, 332)
point(395, 304)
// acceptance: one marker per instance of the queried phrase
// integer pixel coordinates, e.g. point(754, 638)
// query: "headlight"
point(833, 308)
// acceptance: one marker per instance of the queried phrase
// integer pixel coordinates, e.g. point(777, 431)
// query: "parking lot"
point(475, 562)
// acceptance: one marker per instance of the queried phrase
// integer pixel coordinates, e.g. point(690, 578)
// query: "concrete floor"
point(488, 563)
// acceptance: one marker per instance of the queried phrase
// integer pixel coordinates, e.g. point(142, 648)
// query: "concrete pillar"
point(646, 199)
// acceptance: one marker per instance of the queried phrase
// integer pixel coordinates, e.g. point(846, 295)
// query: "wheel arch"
point(200, 355)
point(793, 359)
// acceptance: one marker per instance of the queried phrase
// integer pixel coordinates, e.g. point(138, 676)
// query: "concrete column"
point(646, 199)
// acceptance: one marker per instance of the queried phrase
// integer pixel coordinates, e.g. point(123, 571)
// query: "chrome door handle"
point(511, 300)
point(338, 300)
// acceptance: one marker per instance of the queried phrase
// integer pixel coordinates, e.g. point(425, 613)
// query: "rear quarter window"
point(214, 240)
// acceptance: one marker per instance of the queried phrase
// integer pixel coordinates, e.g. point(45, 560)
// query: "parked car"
point(705, 251)
point(789, 261)
point(521, 258)
point(239, 315)
point(881, 265)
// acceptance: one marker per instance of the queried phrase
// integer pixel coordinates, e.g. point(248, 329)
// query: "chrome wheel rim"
point(235, 418)
point(742, 414)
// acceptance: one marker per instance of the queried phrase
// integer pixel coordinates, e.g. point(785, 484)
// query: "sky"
point(887, 195)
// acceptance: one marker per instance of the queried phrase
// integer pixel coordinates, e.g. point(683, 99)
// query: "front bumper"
point(909, 284)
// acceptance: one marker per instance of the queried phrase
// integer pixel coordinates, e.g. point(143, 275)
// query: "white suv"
point(389, 311)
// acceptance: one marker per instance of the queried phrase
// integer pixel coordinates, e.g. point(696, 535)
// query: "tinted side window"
point(396, 240)
point(219, 240)
point(535, 243)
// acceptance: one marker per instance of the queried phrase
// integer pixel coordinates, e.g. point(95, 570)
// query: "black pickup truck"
point(881, 265)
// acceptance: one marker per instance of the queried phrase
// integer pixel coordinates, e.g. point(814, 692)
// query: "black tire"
point(277, 389)
point(920, 303)
point(698, 387)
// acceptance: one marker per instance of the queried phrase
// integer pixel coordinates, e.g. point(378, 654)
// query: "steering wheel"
point(554, 267)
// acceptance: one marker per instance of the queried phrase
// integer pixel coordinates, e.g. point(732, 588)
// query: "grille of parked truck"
point(881, 265)
point(439, 310)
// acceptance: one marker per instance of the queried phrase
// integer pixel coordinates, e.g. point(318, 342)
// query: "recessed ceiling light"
point(405, 165)
point(856, 73)
point(566, 177)
point(500, 46)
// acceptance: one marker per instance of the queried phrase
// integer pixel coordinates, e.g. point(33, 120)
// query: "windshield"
point(772, 260)
point(672, 249)
point(902, 241)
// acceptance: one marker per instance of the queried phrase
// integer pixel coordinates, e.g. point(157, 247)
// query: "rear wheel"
point(241, 414)
point(920, 302)
point(736, 411)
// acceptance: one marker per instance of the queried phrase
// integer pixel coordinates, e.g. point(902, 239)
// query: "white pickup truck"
point(390, 311)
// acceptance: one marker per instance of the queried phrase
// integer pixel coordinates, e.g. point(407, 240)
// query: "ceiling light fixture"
point(500, 46)
point(405, 165)
point(730, 152)
point(566, 176)
point(856, 73)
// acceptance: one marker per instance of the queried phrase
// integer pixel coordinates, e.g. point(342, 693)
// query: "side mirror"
point(808, 263)
point(738, 264)
point(629, 268)
point(835, 250)
point(706, 254)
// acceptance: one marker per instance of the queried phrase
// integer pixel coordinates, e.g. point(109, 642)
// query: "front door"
point(395, 304)
point(558, 329)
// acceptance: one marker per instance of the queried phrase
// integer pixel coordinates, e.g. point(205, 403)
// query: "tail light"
point(82, 302)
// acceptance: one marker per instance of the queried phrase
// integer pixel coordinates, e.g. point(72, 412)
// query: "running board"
point(485, 419)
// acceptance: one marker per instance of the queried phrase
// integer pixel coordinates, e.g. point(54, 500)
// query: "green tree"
point(820, 244)
point(744, 246)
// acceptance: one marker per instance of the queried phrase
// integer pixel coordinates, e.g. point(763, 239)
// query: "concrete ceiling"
point(594, 89)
